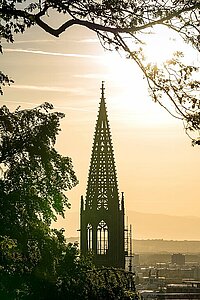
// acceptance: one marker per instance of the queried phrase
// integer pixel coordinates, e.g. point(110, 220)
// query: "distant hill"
point(146, 226)
point(160, 226)
point(164, 246)
point(159, 246)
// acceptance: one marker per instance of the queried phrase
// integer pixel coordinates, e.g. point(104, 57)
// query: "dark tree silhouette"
point(34, 173)
point(34, 177)
point(121, 25)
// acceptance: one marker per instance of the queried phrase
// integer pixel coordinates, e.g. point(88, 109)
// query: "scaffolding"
point(128, 247)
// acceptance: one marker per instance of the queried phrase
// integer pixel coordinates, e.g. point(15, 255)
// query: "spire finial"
point(102, 90)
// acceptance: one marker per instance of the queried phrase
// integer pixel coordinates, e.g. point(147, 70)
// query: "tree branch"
point(88, 24)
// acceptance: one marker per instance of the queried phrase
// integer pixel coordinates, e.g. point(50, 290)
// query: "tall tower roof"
point(102, 212)
point(102, 188)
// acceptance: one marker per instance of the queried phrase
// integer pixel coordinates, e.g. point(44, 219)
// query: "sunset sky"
point(157, 168)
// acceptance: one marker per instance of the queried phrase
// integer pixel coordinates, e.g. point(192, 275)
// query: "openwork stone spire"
point(102, 212)
point(102, 189)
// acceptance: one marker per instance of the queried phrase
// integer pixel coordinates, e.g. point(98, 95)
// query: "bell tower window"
point(102, 238)
point(89, 237)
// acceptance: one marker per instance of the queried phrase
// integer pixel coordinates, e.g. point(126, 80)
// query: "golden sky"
point(157, 167)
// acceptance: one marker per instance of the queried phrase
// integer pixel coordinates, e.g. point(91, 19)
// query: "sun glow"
point(161, 44)
point(131, 99)
point(129, 82)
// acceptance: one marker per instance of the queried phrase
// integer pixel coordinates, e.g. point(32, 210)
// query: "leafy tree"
point(30, 274)
point(59, 273)
point(34, 177)
point(122, 25)
point(82, 280)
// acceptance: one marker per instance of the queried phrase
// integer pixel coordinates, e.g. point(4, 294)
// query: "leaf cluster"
point(34, 177)
point(35, 174)
point(4, 80)
point(12, 21)
point(57, 271)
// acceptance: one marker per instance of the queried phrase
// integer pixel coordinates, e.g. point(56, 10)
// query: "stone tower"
point(102, 212)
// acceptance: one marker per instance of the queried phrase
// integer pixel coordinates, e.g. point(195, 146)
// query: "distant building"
point(186, 290)
point(178, 259)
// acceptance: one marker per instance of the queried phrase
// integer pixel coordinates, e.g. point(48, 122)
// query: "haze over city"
point(157, 168)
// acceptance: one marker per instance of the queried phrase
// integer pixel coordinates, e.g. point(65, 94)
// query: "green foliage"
point(58, 272)
point(4, 80)
point(35, 175)
point(32, 274)
point(84, 281)
point(13, 22)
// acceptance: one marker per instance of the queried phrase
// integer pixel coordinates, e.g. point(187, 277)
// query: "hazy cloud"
point(62, 107)
point(53, 53)
point(89, 41)
point(92, 76)
point(20, 102)
point(61, 89)
point(31, 41)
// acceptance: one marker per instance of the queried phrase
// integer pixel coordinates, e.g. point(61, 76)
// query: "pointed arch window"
point(89, 237)
point(102, 238)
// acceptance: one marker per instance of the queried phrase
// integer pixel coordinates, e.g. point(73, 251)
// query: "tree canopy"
point(122, 25)
point(34, 175)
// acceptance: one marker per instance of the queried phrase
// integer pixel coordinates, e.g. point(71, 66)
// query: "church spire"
point(102, 213)
point(102, 188)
